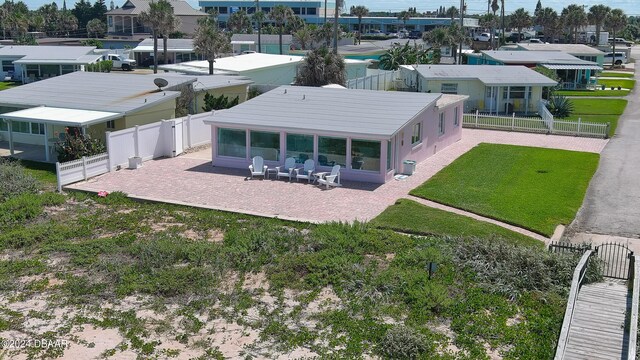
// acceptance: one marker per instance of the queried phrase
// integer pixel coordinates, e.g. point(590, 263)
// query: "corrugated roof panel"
point(52, 115)
point(488, 74)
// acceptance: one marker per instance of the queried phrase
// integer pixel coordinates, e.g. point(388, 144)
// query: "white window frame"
point(111, 124)
point(449, 88)
point(441, 129)
point(418, 138)
point(456, 117)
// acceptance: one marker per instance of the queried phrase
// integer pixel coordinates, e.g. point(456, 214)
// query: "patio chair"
point(287, 169)
point(258, 168)
point(330, 179)
point(307, 171)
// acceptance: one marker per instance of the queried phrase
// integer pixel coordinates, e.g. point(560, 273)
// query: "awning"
point(145, 48)
point(571, 67)
point(243, 42)
point(61, 116)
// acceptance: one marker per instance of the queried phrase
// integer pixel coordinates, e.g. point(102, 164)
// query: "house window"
point(300, 147)
point(111, 124)
point(110, 21)
point(441, 124)
point(33, 71)
point(515, 92)
point(4, 126)
point(232, 142)
point(456, 119)
point(265, 144)
point(20, 127)
point(416, 135)
point(66, 69)
point(365, 155)
point(311, 11)
point(449, 88)
point(388, 155)
point(7, 65)
point(332, 151)
point(223, 10)
point(37, 129)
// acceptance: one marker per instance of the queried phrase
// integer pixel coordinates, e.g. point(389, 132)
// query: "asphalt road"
point(612, 202)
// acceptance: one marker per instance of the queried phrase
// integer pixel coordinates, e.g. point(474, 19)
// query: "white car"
point(482, 37)
point(120, 63)
point(533, 41)
point(621, 58)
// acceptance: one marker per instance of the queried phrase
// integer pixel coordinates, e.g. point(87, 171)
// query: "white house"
point(29, 63)
point(263, 69)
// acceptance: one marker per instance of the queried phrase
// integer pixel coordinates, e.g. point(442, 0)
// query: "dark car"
point(415, 34)
point(148, 62)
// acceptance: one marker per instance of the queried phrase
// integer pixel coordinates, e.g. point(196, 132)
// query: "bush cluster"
point(402, 342)
point(76, 145)
point(14, 180)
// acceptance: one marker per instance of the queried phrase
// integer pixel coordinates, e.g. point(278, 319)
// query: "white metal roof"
point(535, 57)
point(82, 60)
point(571, 67)
point(491, 75)
point(173, 45)
point(366, 113)
point(247, 62)
point(33, 52)
point(574, 49)
point(190, 69)
point(61, 116)
point(264, 38)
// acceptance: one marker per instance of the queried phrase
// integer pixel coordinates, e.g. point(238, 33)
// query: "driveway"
point(612, 203)
point(191, 180)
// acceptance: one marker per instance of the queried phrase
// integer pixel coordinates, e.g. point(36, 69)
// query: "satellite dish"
point(160, 82)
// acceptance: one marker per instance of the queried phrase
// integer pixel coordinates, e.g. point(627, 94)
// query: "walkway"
point(598, 326)
point(191, 180)
point(612, 202)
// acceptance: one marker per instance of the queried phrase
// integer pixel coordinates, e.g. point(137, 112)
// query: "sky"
point(630, 7)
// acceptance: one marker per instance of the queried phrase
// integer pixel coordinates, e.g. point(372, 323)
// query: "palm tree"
point(280, 14)
point(37, 22)
point(437, 38)
point(597, 15)
point(359, 11)
point(209, 41)
point(457, 36)
point(153, 18)
point(548, 19)
point(404, 55)
point(489, 21)
point(520, 19)
point(303, 37)
point(239, 22)
point(339, 4)
point(170, 24)
point(494, 8)
point(452, 12)
point(96, 27)
point(324, 34)
point(258, 18)
point(321, 67)
point(574, 17)
point(68, 22)
point(404, 16)
point(502, 21)
point(616, 21)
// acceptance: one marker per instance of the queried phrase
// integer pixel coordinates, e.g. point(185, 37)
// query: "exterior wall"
point(166, 110)
point(355, 71)
point(231, 92)
point(475, 89)
point(432, 141)
point(276, 75)
point(188, 24)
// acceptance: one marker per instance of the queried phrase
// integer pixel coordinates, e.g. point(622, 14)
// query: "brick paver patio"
point(191, 180)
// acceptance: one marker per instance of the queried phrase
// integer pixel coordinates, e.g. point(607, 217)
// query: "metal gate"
point(616, 259)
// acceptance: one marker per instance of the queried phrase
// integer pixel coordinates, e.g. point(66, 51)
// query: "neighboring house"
point(178, 50)
point(27, 63)
point(263, 69)
point(38, 113)
point(369, 141)
point(580, 51)
point(574, 73)
point(490, 88)
point(124, 22)
point(270, 44)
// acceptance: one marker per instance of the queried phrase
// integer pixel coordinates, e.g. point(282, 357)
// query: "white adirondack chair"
point(307, 171)
point(287, 169)
point(257, 168)
point(330, 179)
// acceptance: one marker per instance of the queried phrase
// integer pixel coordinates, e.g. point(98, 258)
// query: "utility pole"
point(259, 25)
point(461, 29)
point(325, 12)
point(335, 27)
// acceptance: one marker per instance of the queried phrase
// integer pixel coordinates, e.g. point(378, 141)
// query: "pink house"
point(368, 133)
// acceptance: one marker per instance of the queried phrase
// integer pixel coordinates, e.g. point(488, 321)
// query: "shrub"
point(560, 106)
point(76, 145)
point(218, 103)
point(402, 342)
point(14, 180)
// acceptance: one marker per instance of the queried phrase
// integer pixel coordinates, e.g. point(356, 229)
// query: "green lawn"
point(593, 93)
point(616, 74)
point(412, 217)
point(6, 85)
point(599, 106)
point(534, 188)
point(624, 83)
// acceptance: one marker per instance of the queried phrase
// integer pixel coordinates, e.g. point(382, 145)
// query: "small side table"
point(273, 171)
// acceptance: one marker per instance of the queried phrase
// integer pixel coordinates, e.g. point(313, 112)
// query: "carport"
point(44, 126)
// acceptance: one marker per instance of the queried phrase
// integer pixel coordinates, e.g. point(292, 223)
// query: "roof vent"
point(304, 96)
point(160, 83)
point(285, 91)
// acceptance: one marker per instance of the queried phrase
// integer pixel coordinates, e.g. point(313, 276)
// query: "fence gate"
point(177, 137)
point(616, 259)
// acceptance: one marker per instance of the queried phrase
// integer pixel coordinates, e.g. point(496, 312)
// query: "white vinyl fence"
point(82, 169)
point(166, 138)
point(536, 125)
point(384, 80)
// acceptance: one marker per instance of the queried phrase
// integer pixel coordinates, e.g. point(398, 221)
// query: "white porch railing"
point(535, 125)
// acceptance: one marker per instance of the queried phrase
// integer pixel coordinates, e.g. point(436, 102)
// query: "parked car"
point(533, 41)
point(620, 58)
point(120, 62)
point(148, 62)
point(415, 34)
point(620, 41)
point(402, 33)
point(482, 37)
